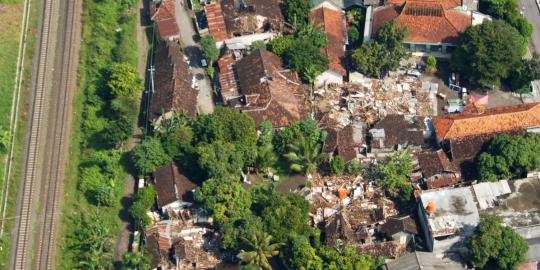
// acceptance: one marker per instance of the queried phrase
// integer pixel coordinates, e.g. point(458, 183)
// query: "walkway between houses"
point(188, 37)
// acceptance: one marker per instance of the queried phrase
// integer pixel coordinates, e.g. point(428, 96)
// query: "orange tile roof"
point(332, 23)
point(216, 21)
point(427, 21)
point(165, 19)
point(482, 121)
point(227, 77)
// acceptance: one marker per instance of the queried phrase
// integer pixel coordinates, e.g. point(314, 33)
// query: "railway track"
point(34, 239)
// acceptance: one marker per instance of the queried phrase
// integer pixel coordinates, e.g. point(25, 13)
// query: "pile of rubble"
point(369, 100)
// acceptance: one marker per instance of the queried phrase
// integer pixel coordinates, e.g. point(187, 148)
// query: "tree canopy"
point(124, 80)
point(488, 52)
point(209, 49)
point(526, 71)
point(226, 199)
point(377, 57)
point(395, 175)
point(295, 11)
point(493, 242)
point(148, 155)
point(509, 156)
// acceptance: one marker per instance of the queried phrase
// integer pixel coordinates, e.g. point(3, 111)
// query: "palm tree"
point(303, 156)
point(260, 249)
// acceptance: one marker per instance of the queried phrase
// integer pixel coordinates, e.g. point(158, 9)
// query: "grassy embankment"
point(11, 13)
point(108, 37)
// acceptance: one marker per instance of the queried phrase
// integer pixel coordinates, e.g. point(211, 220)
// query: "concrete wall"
point(328, 77)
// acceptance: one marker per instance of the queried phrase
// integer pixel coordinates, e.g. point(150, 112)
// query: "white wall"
point(327, 77)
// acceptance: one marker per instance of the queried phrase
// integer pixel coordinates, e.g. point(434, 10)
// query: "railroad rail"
point(34, 238)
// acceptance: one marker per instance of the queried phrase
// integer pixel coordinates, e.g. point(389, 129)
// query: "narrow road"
point(47, 140)
point(532, 13)
point(188, 35)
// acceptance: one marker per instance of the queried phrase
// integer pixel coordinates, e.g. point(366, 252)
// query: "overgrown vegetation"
point(509, 156)
point(107, 106)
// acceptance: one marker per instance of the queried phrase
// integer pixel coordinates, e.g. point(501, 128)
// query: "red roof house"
point(428, 21)
point(164, 17)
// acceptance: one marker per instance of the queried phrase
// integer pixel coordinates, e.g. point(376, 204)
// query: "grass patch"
point(108, 37)
point(11, 12)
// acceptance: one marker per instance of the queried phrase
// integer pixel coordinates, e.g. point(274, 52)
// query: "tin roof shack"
point(349, 142)
point(167, 240)
point(437, 170)
point(446, 217)
point(395, 132)
point(422, 261)
point(243, 21)
point(174, 190)
point(267, 90)
point(163, 14)
point(173, 91)
point(399, 229)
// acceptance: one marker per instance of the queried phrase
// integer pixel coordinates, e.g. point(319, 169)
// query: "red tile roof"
point(228, 80)
point(165, 19)
point(484, 121)
point(427, 21)
point(332, 23)
point(216, 21)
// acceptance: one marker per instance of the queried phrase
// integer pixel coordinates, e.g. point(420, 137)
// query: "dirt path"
point(124, 237)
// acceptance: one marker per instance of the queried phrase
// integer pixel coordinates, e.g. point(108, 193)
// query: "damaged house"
point(173, 87)
point(348, 142)
point(241, 22)
point(173, 189)
point(437, 170)
point(163, 14)
point(394, 132)
point(331, 19)
point(262, 87)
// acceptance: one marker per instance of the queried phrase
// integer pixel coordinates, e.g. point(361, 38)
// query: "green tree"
point(303, 156)
point(209, 71)
point(266, 156)
point(354, 167)
point(344, 259)
point(295, 11)
point(258, 45)
point(306, 58)
point(93, 242)
point(391, 36)
point(508, 156)
point(354, 36)
point(124, 80)
point(148, 155)
point(431, 61)
point(337, 166)
point(283, 216)
point(306, 129)
point(280, 45)
point(232, 230)
point(219, 159)
point(370, 59)
point(104, 194)
point(488, 52)
point(395, 175)
point(225, 199)
point(142, 201)
point(209, 49)
point(525, 72)
point(493, 242)
point(313, 34)
point(260, 249)
point(301, 255)
point(135, 260)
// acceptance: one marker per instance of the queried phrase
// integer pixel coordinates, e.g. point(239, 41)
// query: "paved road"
point(52, 86)
point(532, 13)
point(191, 49)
